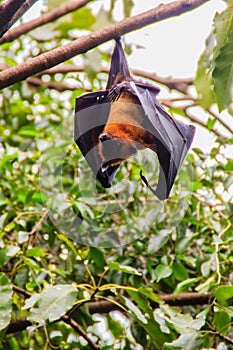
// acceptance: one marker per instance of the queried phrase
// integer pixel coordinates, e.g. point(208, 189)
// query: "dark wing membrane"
point(91, 113)
point(173, 139)
point(119, 70)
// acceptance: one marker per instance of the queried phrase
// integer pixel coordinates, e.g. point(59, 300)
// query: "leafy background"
point(80, 287)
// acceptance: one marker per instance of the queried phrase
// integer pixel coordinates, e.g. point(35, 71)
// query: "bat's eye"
point(132, 150)
point(104, 137)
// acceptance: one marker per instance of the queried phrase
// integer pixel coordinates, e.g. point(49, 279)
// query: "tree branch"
point(194, 119)
point(200, 122)
point(46, 18)
point(102, 307)
point(79, 330)
point(50, 84)
point(11, 11)
point(82, 45)
point(182, 299)
point(172, 83)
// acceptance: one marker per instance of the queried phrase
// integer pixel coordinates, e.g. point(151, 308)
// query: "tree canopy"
point(83, 267)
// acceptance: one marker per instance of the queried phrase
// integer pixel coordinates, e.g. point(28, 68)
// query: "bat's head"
point(113, 150)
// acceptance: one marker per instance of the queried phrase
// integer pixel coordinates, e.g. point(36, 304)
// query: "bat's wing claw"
point(114, 93)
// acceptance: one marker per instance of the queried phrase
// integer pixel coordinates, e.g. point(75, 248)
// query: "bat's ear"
point(119, 70)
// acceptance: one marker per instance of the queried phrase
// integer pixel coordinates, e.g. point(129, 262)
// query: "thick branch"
point(82, 45)
point(11, 11)
point(182, 299)
point(103, 307)
point(46, 18)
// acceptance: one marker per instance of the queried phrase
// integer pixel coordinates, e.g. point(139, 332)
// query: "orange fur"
point(124, 131)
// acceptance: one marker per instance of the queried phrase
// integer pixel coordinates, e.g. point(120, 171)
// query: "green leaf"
point(98, 257)
point(82, 19)
point(185, 341)
point(28, 130)
point(103, 20)
point(134, 310)
point(31, 301)
point(22, 237)
point(140, 300)
point(206, 285)
point(5, 301)
point(54, 302)
point(35, 252)
point(205, 268)
point(224, 293)
point(179, 271)
point(223, 25)
point(156, 242)
point(68, 243)
point(149, 293)
point(204, 81)
point(184, 285)
point(150, 325)
point(12, 250)
point(223, 75)
point(222, 321)
point(210, 123)
point(128, 269)
point(114, 326)
point(162, 271)
point(128, 5)
point(139, 334)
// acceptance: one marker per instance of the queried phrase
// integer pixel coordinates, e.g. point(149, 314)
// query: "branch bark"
point(11, 11)
point(44, 19)
point(82, 45)
point(79, 330)
point(172, 83)
point(181, 299)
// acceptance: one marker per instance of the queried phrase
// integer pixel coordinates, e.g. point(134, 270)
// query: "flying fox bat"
point(111, 125)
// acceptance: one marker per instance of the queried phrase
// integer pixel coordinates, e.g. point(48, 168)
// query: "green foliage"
point(118, 268)
point(5, 301)
point(214, 80)
point(52, 303)
point(224, 68)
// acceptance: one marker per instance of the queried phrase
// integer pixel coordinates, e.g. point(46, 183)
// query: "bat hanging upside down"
point(112, 124)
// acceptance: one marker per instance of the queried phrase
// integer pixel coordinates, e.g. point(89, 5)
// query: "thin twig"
point(173, 84)
point(40, 222)
point(200, 122)
point(50, 84)
point(50, 59)
point(43, 19)
point(21, 291)
point(79, 330)
point(217, 117)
